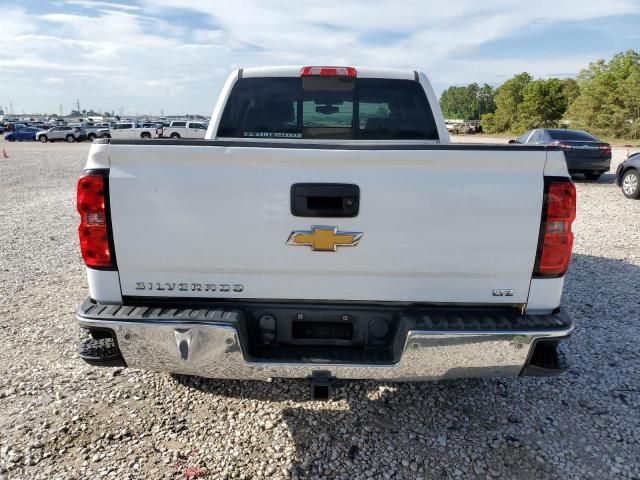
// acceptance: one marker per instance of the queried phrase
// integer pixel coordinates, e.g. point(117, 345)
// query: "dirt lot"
point(62, 419)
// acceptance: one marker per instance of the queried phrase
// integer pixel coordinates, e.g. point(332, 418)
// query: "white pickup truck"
point(183, 129)
point(326, 228)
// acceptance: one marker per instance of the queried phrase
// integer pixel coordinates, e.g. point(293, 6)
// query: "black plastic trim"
point(545, 359)
point(340, 192)
point(104, 173)
point(437, 318)
point(307, 145)
point(101, 350)
point(189, 302)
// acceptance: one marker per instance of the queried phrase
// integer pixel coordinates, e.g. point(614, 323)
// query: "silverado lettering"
point(194, 287)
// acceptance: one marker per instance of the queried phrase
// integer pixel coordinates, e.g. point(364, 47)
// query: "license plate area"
point(322, 330)
point(278, 328)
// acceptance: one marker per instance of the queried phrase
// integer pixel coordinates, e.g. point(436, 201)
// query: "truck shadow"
point(521, 428)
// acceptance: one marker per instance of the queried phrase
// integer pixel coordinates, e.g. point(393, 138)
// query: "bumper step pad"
point(103, 352)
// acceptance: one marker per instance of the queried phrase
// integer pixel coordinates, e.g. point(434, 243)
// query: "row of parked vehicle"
point(175, 130)
point(86, 131)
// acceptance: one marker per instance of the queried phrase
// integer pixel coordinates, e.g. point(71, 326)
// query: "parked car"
point(130, 131)
point(1, 129)
point(628, 176)
point(24, 134)
point(356, 272)
point(584, 153)
point(12, 127)
point(92, 131)
point(68, 133)
point(186, 130)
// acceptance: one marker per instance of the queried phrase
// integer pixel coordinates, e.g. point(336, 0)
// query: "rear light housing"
point(96, 241)
point(605, 149)
point(328, 71)
point(556, 238)
point(564, 146)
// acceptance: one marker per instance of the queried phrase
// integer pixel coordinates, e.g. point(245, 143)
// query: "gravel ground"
point(60, 418)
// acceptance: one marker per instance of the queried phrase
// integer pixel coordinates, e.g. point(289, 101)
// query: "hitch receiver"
point(321, 388)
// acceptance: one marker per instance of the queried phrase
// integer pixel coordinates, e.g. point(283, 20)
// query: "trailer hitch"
point(321, 386)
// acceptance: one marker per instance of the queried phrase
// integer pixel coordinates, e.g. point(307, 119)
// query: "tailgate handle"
point(325, 200)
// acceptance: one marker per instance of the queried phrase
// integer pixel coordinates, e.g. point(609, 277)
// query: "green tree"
point(508, 98)
point(543, 105)
point(571, 89)
point(467, 103)
point(609, 100)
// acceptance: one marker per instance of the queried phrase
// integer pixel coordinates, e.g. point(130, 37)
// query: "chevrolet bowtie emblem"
point(324, 239)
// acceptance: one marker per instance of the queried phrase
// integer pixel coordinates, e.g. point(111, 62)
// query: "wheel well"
point(625, 170)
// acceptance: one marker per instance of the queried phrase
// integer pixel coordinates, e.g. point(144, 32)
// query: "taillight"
point(556, 238)
point(328, 71)
point(563, 146)
point(606, 149)
point(94, 229)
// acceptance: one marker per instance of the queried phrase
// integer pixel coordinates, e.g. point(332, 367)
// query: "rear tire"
point(43, 139)
point(92, 137)
point(630, 183)
point(145, 136)
point(592, 176)
point(71, 138)
point(175, 135)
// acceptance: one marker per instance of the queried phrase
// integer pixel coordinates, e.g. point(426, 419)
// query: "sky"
point(173, 56)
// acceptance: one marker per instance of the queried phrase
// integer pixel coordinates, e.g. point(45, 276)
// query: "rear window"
point(571, 135)
point(328, 108)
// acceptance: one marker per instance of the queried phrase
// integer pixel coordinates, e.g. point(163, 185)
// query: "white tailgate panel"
point(438, 225)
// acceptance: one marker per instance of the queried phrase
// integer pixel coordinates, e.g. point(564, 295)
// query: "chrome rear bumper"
point(214, 347)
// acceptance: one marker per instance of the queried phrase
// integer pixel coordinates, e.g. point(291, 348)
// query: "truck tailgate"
point(439, 223)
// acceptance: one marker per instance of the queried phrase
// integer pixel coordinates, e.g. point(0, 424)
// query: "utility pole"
point(78, 105)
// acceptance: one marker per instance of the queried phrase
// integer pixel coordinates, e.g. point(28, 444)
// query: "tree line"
point(604, 99)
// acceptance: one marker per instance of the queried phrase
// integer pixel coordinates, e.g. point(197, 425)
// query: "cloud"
point(92, 4)
point(164, 54)
point(53, 81)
